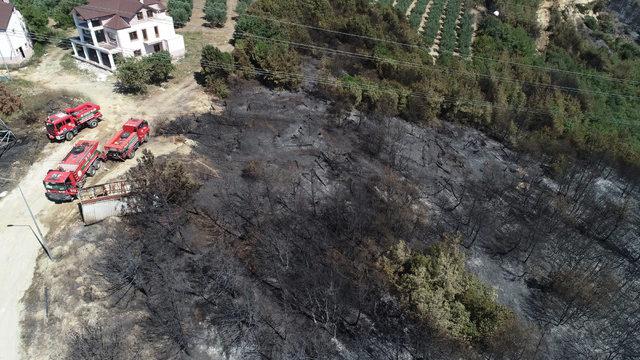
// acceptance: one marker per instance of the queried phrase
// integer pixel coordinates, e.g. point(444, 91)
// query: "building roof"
point(126, 9)
point(6, 10)
point(116, 23)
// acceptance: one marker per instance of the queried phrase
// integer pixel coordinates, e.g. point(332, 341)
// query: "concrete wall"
point(171, 42)
point(13, 40)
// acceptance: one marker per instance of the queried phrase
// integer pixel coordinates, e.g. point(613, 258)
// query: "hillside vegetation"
point(577, 98)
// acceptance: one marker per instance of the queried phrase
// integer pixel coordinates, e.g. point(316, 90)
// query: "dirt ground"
point(216, 36)
point(19, 250)
point(544, 16)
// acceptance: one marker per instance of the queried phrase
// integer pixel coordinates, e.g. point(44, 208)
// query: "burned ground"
point(272, 257)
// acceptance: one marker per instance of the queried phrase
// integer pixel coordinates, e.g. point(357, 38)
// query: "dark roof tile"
point(6, 10)
point(116, 23)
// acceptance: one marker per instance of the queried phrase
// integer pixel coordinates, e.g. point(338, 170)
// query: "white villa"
point(16, 46)
point(126, 27)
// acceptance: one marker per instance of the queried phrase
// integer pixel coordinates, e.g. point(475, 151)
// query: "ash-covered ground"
point(559, 250)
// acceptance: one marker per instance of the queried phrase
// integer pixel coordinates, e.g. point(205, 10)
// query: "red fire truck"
point(126, 141)
point(63, 183)
point(65, 125)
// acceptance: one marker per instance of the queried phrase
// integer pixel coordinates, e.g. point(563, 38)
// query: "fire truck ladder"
point(7, 138)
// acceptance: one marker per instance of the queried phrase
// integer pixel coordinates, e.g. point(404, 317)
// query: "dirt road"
point(19, 248)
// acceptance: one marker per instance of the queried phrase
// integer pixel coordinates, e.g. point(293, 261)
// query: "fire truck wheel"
point(69, 136)
point(91, 171)
point(97, 164)
point(93, 123)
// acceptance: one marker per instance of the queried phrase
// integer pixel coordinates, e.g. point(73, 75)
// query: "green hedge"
point(433, 22)
point(449, 36)
point(465, 34)
point(403, 5)
point(416, 13)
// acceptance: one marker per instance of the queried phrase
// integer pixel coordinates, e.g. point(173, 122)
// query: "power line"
point(539, 67)
point(436, 67)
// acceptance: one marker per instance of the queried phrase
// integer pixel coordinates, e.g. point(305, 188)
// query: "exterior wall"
point(120, 41)
point(15, 39)
point(170, 41)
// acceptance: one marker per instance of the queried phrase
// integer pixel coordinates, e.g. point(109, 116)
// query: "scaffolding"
point(7, 138)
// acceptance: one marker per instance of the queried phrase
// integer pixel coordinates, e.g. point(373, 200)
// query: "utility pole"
point(33, 218)
point(42, 244)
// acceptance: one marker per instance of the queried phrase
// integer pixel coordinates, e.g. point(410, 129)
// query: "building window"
point(112, 37)
point(87, 35)
point(137, 52)
point(95, 23)
point(144, 34)
point(155, 28)
point(133, 35)
point(149, 13)
point(157, 47)
point(139, 15)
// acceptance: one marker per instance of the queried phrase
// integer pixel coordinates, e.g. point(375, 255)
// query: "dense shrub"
point(215, 63)
point(465, 34)
point(215, 12)
point(216, 68)
point(403, 6)
point(159, 66)
point(433, 21)
point(36, 18)
point(132, 76)
point(449, 35)
point(62, 12)
point(435, 285)
point(416, 13)
point(243, 5)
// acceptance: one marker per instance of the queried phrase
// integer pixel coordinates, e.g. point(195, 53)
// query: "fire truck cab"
point(64, 182)
point(65, 125)
point(124, 144)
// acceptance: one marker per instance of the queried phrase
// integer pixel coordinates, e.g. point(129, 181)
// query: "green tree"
point(215, 12)
point(180, 10)
point(159, 66)
point(436, 286)
point(36, 19)
point(62, 12)
point(132, 76)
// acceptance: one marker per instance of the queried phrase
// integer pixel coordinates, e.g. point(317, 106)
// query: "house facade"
point(108, 28)
point(16, 46)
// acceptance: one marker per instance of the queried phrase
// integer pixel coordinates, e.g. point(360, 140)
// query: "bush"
point(465, 34)
point(435, 285)
point(432, 25)
point(215, 63)
point(159, 66)
point(591, 22)
point(217, 87)
point(215, 12)
point(416, 13)
point(243, 5)
point(132, 76)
